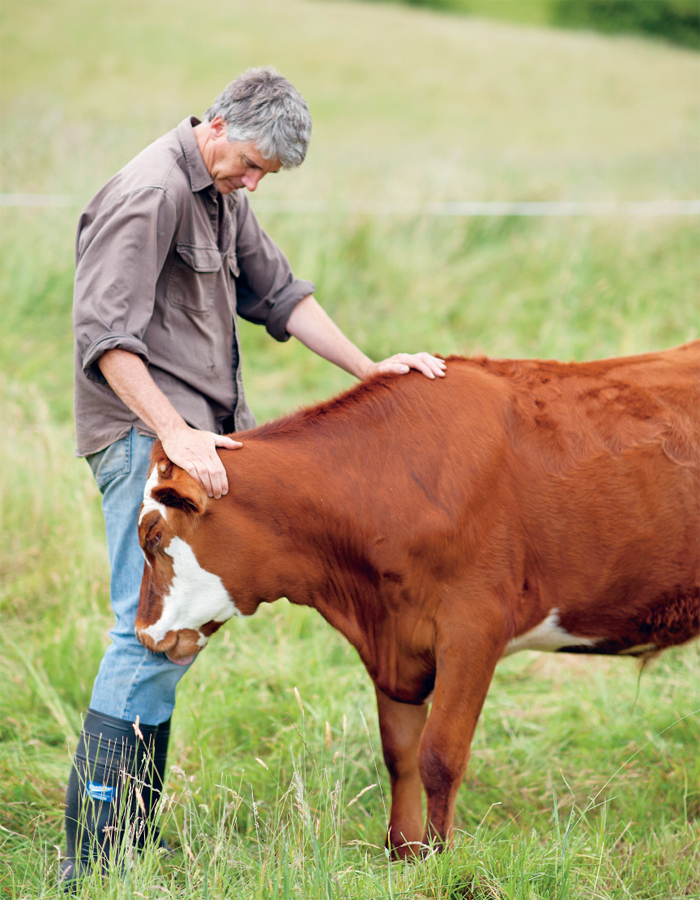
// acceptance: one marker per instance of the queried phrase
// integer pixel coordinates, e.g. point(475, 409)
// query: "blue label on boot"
point(100, 791)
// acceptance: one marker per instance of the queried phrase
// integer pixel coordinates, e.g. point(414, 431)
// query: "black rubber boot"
point(113, 789)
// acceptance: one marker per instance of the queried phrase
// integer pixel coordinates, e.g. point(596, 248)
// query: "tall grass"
point(585, 778)
point(576, 289)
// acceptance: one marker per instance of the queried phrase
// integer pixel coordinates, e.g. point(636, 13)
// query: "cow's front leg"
point(401, 726)
point(462, 682)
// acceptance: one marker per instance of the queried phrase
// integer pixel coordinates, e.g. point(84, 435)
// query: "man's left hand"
point(401, 363)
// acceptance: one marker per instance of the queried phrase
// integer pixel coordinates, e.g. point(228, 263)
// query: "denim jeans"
point(131, 680)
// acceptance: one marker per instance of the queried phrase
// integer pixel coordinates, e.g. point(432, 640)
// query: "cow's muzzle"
point(180, 647)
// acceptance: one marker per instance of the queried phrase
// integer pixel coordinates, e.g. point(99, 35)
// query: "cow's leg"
point(401, 726)
point(462, 682)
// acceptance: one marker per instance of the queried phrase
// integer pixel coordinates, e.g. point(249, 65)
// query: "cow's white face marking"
point(548, 635)
point(149, 504)
point(195, 596)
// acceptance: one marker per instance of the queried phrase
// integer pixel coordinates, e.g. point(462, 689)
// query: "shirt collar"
point(198, 172)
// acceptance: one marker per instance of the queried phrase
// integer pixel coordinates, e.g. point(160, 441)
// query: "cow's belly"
point(549, 636)
point(672, 620)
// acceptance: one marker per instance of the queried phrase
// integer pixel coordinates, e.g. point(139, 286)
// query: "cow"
point(440, 526)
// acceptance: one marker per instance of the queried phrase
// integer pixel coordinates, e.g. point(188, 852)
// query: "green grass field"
point(585, 776)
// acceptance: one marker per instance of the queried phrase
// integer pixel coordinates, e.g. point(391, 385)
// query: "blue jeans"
point(131, 680)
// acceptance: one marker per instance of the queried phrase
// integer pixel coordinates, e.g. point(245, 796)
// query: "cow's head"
point(182, 602)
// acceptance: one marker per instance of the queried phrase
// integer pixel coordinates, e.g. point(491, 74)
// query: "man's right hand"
point(192, 450)
point(195, 452)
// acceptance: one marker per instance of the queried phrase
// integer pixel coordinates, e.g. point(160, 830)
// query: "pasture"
point(585, 774)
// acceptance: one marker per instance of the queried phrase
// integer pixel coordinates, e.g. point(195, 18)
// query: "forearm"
point(317, 331)
point(310, 324)
point(130, 380)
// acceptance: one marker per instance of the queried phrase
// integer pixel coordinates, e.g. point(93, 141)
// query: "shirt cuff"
point(114, 341)
point(283, 305)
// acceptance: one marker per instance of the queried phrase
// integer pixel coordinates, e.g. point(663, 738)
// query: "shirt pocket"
point(193, 278)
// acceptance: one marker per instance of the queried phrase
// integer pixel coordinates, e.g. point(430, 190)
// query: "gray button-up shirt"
point(164, 263)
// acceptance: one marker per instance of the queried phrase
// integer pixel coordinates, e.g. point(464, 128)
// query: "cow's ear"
point(183, 492)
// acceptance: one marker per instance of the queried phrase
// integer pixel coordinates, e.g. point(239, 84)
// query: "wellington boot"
point(113, 790)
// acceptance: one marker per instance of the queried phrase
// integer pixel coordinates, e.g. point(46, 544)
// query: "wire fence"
point(456, 208)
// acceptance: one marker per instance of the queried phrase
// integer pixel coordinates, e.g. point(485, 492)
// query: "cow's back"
point(424, 455)
point(571, 411)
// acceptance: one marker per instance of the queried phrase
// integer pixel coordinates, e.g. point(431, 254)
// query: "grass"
point(585, 778)
point(509, 287)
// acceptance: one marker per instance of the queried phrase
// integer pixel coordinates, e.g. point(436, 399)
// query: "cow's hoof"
point(409, 850)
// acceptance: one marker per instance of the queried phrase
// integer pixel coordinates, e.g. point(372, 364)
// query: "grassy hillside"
point(584, 782)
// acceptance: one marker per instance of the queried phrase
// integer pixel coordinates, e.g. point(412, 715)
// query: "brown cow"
point(443, 525)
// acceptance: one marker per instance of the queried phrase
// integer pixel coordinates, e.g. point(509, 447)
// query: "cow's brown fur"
point(432, 523)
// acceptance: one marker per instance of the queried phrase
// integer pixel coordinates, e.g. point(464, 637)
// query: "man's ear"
point(181, 491)
point(217, 127)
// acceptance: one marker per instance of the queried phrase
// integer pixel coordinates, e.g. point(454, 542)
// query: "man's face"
point(234, 164)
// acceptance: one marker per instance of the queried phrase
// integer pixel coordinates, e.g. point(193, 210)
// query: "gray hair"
point(263, 107)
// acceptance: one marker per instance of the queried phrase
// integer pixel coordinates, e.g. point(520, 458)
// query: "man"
point(168, 253)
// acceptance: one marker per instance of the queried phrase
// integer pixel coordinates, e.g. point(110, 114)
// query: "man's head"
point(258, 124)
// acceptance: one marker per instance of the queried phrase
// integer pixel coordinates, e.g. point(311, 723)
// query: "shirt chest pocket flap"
point(194, 277)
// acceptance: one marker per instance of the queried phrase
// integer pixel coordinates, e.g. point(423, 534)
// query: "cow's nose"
point(145, 639)
point(149, 643)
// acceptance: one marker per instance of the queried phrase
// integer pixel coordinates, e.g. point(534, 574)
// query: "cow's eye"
point(153, 541)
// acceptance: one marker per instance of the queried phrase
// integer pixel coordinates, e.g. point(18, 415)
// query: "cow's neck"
point(333, 558)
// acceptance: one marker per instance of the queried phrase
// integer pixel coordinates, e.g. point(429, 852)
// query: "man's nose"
point(252, 179)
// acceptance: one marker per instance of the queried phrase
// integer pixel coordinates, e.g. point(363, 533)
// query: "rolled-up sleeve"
point(266, 289)
point(122, 247)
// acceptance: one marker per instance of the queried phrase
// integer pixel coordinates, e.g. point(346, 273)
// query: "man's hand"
point(401, 363)
point(192, 450)
point(195, 452)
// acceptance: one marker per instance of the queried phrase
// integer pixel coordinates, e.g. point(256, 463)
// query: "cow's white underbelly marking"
point(149, 504)
point(195, 596)
point(638, 650)
point(548, 635)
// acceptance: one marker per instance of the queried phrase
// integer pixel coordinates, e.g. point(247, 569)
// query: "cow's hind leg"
point(401, 726)
point(462, 682)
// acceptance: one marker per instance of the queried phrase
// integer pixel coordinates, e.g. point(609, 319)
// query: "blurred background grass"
point(409, 105)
